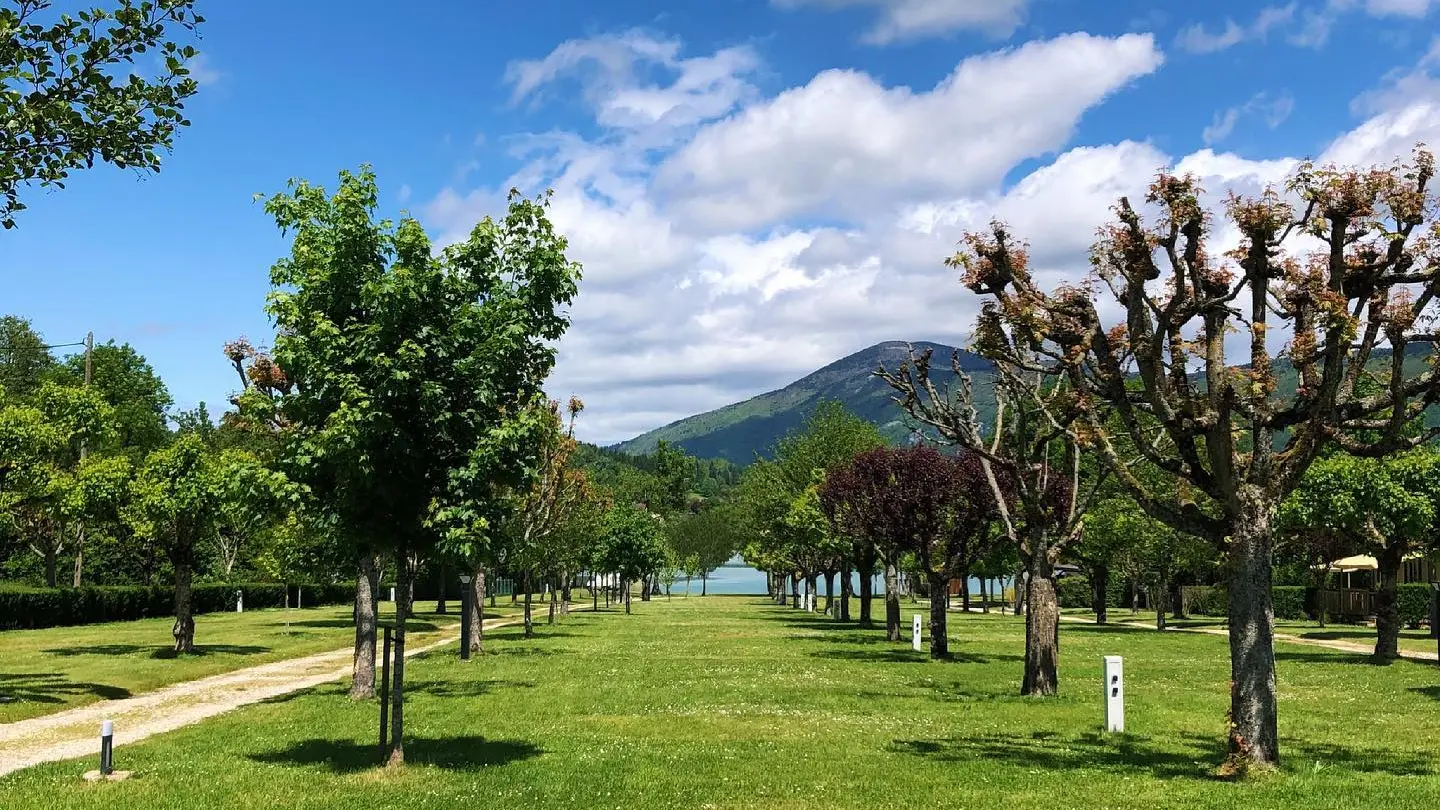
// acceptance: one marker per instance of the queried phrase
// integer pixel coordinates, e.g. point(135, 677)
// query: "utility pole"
point(84, 451)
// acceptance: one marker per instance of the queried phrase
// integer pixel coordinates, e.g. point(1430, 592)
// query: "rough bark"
point(1042, 627)
point(892, 603)
point(477, 610)
point(939, 595)
point(1253, 738)
point(794, 590)
point(529, 619)
point(844, 594)
point(442, 578)
point(550, 619)
point(51, 566)
point(367, 593)
point(1099, 584)
point(829, 592)
point(80, 557)
point(964, 591)
point(704, 583)
point(1161, 595)
point(646, 584)
point(184, 628)
point(405, 595)
point(627, 598)
point(867, 593)
point(1387, 613)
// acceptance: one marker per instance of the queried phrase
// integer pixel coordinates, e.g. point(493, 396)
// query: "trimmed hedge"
point(1288, 601)
point(1074, 591)
point(63, 607)
point(1412, 600)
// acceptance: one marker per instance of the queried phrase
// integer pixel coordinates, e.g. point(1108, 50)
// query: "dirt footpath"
point(76, 733)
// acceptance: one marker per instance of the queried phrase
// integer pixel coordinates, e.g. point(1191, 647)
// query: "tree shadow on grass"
point(52, 687)
point(451, 753)
point(906, 655)
point(163, 651)
point(464, 688)
point(1187, 756)
point(1336, 657)
point(413, 626)
point(1432, 692)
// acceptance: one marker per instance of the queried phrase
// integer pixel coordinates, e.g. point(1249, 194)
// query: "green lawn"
point(45, 671)
point(1412, 640)
point(732, 702)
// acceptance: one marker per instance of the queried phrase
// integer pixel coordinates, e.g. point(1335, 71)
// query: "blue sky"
point(756, 187)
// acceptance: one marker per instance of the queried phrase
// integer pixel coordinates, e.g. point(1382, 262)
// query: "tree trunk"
point(811, 590)
point(1177, 604)
point(529, 621)
point(964, 591)
point(892, 603)
point(477, 610)
point(1020, 591)
point(939, 595)
point(553, 606)
point(442, 607)
point(830, 593)
point(51, 564)
point(367, 595)
point(794, 590)
point(704, 583)
point(1099, 584)
point(984, 594)
point(1253, 739)
point(1387, 614)
point(627, 598)
point(1042, 625)
point(646, 583)
point(867, 593)
point(184, 629)
point(405, 595)
point(565, 594)
point(1162, 593)
point(79, 556)
point(844, 614)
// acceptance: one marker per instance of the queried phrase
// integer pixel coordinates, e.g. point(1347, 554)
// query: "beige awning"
point(1359, 562)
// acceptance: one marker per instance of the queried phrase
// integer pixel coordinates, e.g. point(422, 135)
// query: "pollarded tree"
point(71, 93)
point(1387, 507)
point(405, 371)
point(1033, 471)
point(175, 501)
point(1342, 266)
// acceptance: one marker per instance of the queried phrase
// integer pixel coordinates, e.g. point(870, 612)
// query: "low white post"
point(1114, 693)
point(392, 594)
point(915, 640)
point(239, 601)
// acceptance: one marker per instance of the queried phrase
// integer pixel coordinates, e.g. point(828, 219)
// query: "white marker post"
point(239, 601)
point(915, 640)
point(1114, 693)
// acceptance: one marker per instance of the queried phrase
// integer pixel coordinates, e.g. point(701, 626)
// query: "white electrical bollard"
point(1114, 693)
point(915, 639)
point(239, 601)
point(810, 602)
point(392, 594)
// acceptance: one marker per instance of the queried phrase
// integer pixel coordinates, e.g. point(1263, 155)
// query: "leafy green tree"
point(705, 540)
point(632, 546)
point(177, 502)
point(133, 390)
point(1387, 506)
point(71, 91)
point(254, 500)
point(406, 371)
point(24, 360)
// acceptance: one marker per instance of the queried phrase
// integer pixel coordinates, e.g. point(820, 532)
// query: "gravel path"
point(76, 733)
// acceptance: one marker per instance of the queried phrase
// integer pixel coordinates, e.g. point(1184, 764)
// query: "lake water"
point(742, 579)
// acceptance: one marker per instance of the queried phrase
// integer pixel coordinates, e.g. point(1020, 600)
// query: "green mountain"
point(740, 431)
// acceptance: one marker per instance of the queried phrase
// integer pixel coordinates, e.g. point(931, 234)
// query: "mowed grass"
point(733, 702)
point(49, 670)
point(1410, 640)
